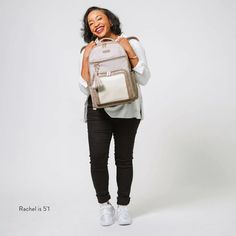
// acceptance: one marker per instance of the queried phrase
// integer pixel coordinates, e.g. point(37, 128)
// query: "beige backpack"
point(112, 81)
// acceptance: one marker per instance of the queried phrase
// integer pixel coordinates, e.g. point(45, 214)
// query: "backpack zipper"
point(107, 59)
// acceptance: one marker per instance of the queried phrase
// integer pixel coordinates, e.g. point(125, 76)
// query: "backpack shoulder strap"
point(132, 37)
point(82, 48)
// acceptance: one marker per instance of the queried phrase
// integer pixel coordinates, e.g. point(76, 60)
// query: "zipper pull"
point(97, 83)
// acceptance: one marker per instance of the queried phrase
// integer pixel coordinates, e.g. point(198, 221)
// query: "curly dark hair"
point(88, 35)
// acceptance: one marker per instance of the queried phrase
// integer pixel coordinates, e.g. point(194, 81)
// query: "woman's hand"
point(124, 42)
point(85, 64)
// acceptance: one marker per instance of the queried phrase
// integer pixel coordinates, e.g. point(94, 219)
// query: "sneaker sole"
point(120, 223)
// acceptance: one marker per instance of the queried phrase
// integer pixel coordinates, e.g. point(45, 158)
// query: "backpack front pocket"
point(115, 87)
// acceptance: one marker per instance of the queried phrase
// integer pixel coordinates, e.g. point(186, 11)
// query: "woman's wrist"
point(131, 54)
point(133, 57)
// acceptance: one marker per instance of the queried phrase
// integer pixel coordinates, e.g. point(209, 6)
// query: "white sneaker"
point(107, 214)
point(123, 215)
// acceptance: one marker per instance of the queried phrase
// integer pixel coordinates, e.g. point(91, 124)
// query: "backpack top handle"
point(103, 39)
point(109, 39)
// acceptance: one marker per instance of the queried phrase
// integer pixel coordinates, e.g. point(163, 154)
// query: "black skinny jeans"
point(100, 128)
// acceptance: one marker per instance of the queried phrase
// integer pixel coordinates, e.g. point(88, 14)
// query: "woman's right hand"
point(85, 63)
point(88, 49)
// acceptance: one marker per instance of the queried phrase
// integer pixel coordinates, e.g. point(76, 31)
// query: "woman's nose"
point(96, 24)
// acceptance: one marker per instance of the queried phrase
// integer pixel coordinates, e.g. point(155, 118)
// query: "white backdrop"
point(185, 146)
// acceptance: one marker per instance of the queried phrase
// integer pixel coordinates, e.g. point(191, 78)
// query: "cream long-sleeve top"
point(142, 74)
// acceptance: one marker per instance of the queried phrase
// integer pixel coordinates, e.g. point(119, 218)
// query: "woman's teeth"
point(99, 30)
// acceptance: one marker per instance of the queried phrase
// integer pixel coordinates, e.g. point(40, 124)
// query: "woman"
point(121, 121)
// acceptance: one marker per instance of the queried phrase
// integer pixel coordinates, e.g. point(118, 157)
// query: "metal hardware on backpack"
point(112, 81)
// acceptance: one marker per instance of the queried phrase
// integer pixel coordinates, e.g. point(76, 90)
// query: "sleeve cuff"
point(83, 82)
point(139, 67)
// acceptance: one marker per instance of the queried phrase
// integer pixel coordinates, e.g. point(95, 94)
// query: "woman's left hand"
point(124, 42)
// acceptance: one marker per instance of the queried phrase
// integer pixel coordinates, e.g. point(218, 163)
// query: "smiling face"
point(99, 24)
